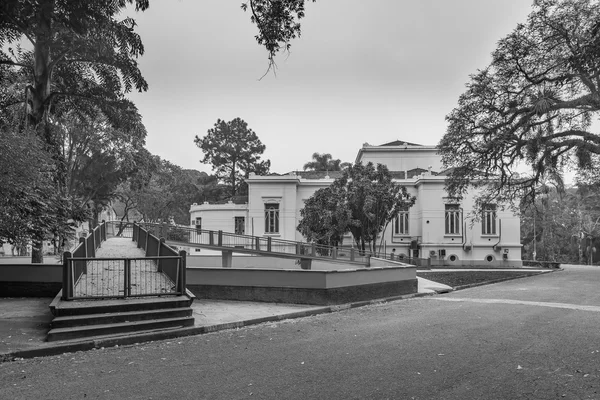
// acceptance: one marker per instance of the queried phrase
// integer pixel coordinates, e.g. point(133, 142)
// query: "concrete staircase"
point(87, 319)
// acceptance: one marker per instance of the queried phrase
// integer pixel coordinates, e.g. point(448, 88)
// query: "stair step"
point(86, 307)
point(111, 318)
point(125, 335)
point(116, 328)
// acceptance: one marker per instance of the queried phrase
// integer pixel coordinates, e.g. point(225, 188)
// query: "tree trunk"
point(38, 95)
point(37, 249)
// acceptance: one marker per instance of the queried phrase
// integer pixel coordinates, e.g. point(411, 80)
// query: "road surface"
point(530, 338)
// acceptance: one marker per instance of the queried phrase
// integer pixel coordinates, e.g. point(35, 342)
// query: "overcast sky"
point(362, 71)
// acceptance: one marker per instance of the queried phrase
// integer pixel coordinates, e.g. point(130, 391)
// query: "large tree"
point(325, 162)
point(324, 219)
point(234, 151)
point(363, 201)
point(532, 106)
point(68, 59)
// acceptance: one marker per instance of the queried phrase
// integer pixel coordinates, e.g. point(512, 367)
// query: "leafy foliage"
point(323, 221)
point(68, 66)
point(325, 162)
point(159, 191)
point(80, 51)
point(234, 151)
point(562, 225)
point(533, 105)
point(28, 202)
point(277, 23)
point(364, 200)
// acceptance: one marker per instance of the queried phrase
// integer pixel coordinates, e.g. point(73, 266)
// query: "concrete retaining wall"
point(321, 287)
point(302, 286)
point(30, 280)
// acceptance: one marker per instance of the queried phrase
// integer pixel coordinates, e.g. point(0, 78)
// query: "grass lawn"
point(461, 278)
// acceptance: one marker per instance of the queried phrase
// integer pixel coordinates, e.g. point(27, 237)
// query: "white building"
point(436, 227)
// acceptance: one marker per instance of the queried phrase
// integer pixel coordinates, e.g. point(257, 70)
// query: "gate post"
point(183, 273)
point(65, 277)
point(85, 248)
point(127, 278)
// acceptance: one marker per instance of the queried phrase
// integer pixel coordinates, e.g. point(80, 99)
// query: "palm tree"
point(325, 162)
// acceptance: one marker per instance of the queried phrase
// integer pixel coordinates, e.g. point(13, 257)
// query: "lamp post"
point(534, 236)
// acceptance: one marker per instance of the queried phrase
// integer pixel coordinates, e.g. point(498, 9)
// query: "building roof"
point(400, 143)
point(447, 172)
point(318, 174)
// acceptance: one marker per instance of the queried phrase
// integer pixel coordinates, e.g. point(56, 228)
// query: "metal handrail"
point(116, 275)
point(168, 265)
point(220, 239)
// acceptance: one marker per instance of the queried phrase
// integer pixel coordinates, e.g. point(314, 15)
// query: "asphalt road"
point(530, 338)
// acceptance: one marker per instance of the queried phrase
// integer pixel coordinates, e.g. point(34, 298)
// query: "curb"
point(87, 345)
point(470, 285)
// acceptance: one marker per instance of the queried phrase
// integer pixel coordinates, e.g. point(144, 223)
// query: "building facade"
point(436, 227)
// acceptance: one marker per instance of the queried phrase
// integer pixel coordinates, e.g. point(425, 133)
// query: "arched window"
point(271, 218)
point(401, 223)
point(452, 219)
point(488, 221)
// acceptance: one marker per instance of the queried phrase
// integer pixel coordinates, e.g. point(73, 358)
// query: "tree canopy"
point(69, 65)
point(532, 106)
point(234, 151)
point(325, 162)
point(363, 201)
point(28, 201)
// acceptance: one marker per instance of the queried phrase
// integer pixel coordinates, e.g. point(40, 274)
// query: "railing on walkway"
point(125, 277)
point(220, 240)
point(119, 229)
point(161, 272)
point(169, 261)
point(74, 269)
point(224, 240)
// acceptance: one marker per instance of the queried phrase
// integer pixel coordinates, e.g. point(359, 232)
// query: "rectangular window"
point(198, 224)
point(271, 218)
point(452, 219)
point(401, 223)
point(488, 221)
point(239, 225)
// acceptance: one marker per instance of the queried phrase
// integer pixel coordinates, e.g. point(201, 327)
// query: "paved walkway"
point(24, 322)
point(106, 277)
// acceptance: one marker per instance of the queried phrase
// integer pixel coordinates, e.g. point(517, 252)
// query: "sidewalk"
point(24, 322)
